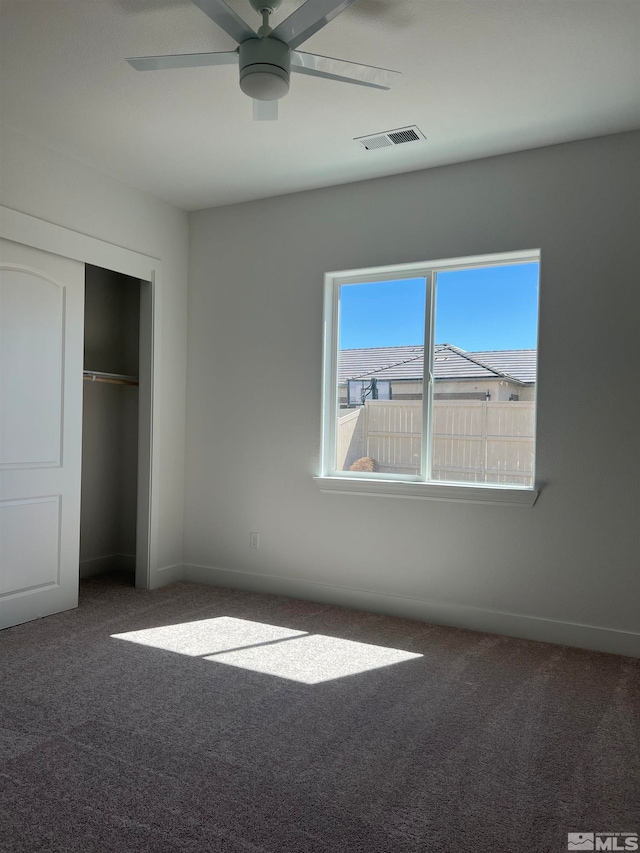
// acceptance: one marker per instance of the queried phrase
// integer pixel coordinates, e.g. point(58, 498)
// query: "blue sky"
point(481, 309)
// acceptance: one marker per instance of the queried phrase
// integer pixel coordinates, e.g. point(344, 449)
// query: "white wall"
point(49, 185)
point(253, 400)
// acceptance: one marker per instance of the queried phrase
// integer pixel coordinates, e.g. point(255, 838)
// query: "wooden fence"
point(350, 443)
point(473, 441)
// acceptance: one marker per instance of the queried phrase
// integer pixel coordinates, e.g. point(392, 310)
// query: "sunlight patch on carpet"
point(208, 636)
point(314, 658)
point(268, 649)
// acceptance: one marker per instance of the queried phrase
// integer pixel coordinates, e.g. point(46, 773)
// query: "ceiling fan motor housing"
point(265, 66)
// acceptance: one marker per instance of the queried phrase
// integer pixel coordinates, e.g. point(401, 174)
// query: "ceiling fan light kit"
point(265, 67)
point(267, 57)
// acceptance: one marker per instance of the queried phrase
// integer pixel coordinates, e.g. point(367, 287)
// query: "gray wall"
point(253, 398)
point(109, 478)
point(109, 424)
point(111, 322)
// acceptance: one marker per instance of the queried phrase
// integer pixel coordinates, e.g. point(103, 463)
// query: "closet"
point(110, 416)
point(77, 444)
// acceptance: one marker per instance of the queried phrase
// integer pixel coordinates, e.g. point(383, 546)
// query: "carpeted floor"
point(472, 743)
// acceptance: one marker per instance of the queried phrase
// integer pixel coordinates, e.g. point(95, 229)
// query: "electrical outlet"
point(254, 540)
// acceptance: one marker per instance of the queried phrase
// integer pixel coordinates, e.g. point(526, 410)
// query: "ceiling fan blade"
point(265, 110)
point(226, 18)
point(340, 69)
point(183, 60)
point(308, 19)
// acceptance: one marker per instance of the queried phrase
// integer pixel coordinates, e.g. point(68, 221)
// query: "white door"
point(41, 355)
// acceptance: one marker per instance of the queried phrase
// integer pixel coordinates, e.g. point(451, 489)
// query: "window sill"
point(459, 493)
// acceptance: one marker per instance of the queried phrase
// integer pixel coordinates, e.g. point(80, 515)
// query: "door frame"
point(58, 240)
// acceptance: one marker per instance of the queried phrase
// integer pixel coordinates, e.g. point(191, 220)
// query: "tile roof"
point(519, 363)
point(449, 362)
point(406, 362)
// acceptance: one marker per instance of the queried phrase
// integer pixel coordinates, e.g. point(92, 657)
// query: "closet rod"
point(111, 378)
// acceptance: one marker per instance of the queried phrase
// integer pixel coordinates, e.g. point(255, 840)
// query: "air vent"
point(391, 137)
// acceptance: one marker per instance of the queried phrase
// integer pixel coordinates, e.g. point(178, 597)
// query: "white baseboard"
point(457, 615)
point(110, 563)
point(166, 575)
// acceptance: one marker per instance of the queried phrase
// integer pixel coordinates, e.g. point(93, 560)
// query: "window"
point(430, 379)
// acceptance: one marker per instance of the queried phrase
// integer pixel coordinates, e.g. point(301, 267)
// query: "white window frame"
point(405, 485)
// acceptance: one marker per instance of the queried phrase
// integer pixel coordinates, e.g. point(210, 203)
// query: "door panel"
point(32, 380)
point(30, 562)
point(41, 352)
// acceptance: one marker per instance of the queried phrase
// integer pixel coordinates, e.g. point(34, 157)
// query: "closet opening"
point(114, 518)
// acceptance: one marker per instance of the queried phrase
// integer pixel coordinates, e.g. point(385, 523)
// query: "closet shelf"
point(112, 378)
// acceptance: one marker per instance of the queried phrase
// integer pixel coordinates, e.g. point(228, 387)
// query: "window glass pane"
point(380, 377)
point(484, 366)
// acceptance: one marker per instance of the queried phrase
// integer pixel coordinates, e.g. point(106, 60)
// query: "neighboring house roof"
point(449, 362)
point(519, 363)
point(361, 363)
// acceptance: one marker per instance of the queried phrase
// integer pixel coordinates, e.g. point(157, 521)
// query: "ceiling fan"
point(268, 56)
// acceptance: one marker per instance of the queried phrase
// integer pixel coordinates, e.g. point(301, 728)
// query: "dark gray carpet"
point(483, 744)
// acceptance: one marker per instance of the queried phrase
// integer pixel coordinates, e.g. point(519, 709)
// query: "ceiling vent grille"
point(391, 137)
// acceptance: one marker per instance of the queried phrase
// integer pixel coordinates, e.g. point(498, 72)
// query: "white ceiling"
point(480, 77)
